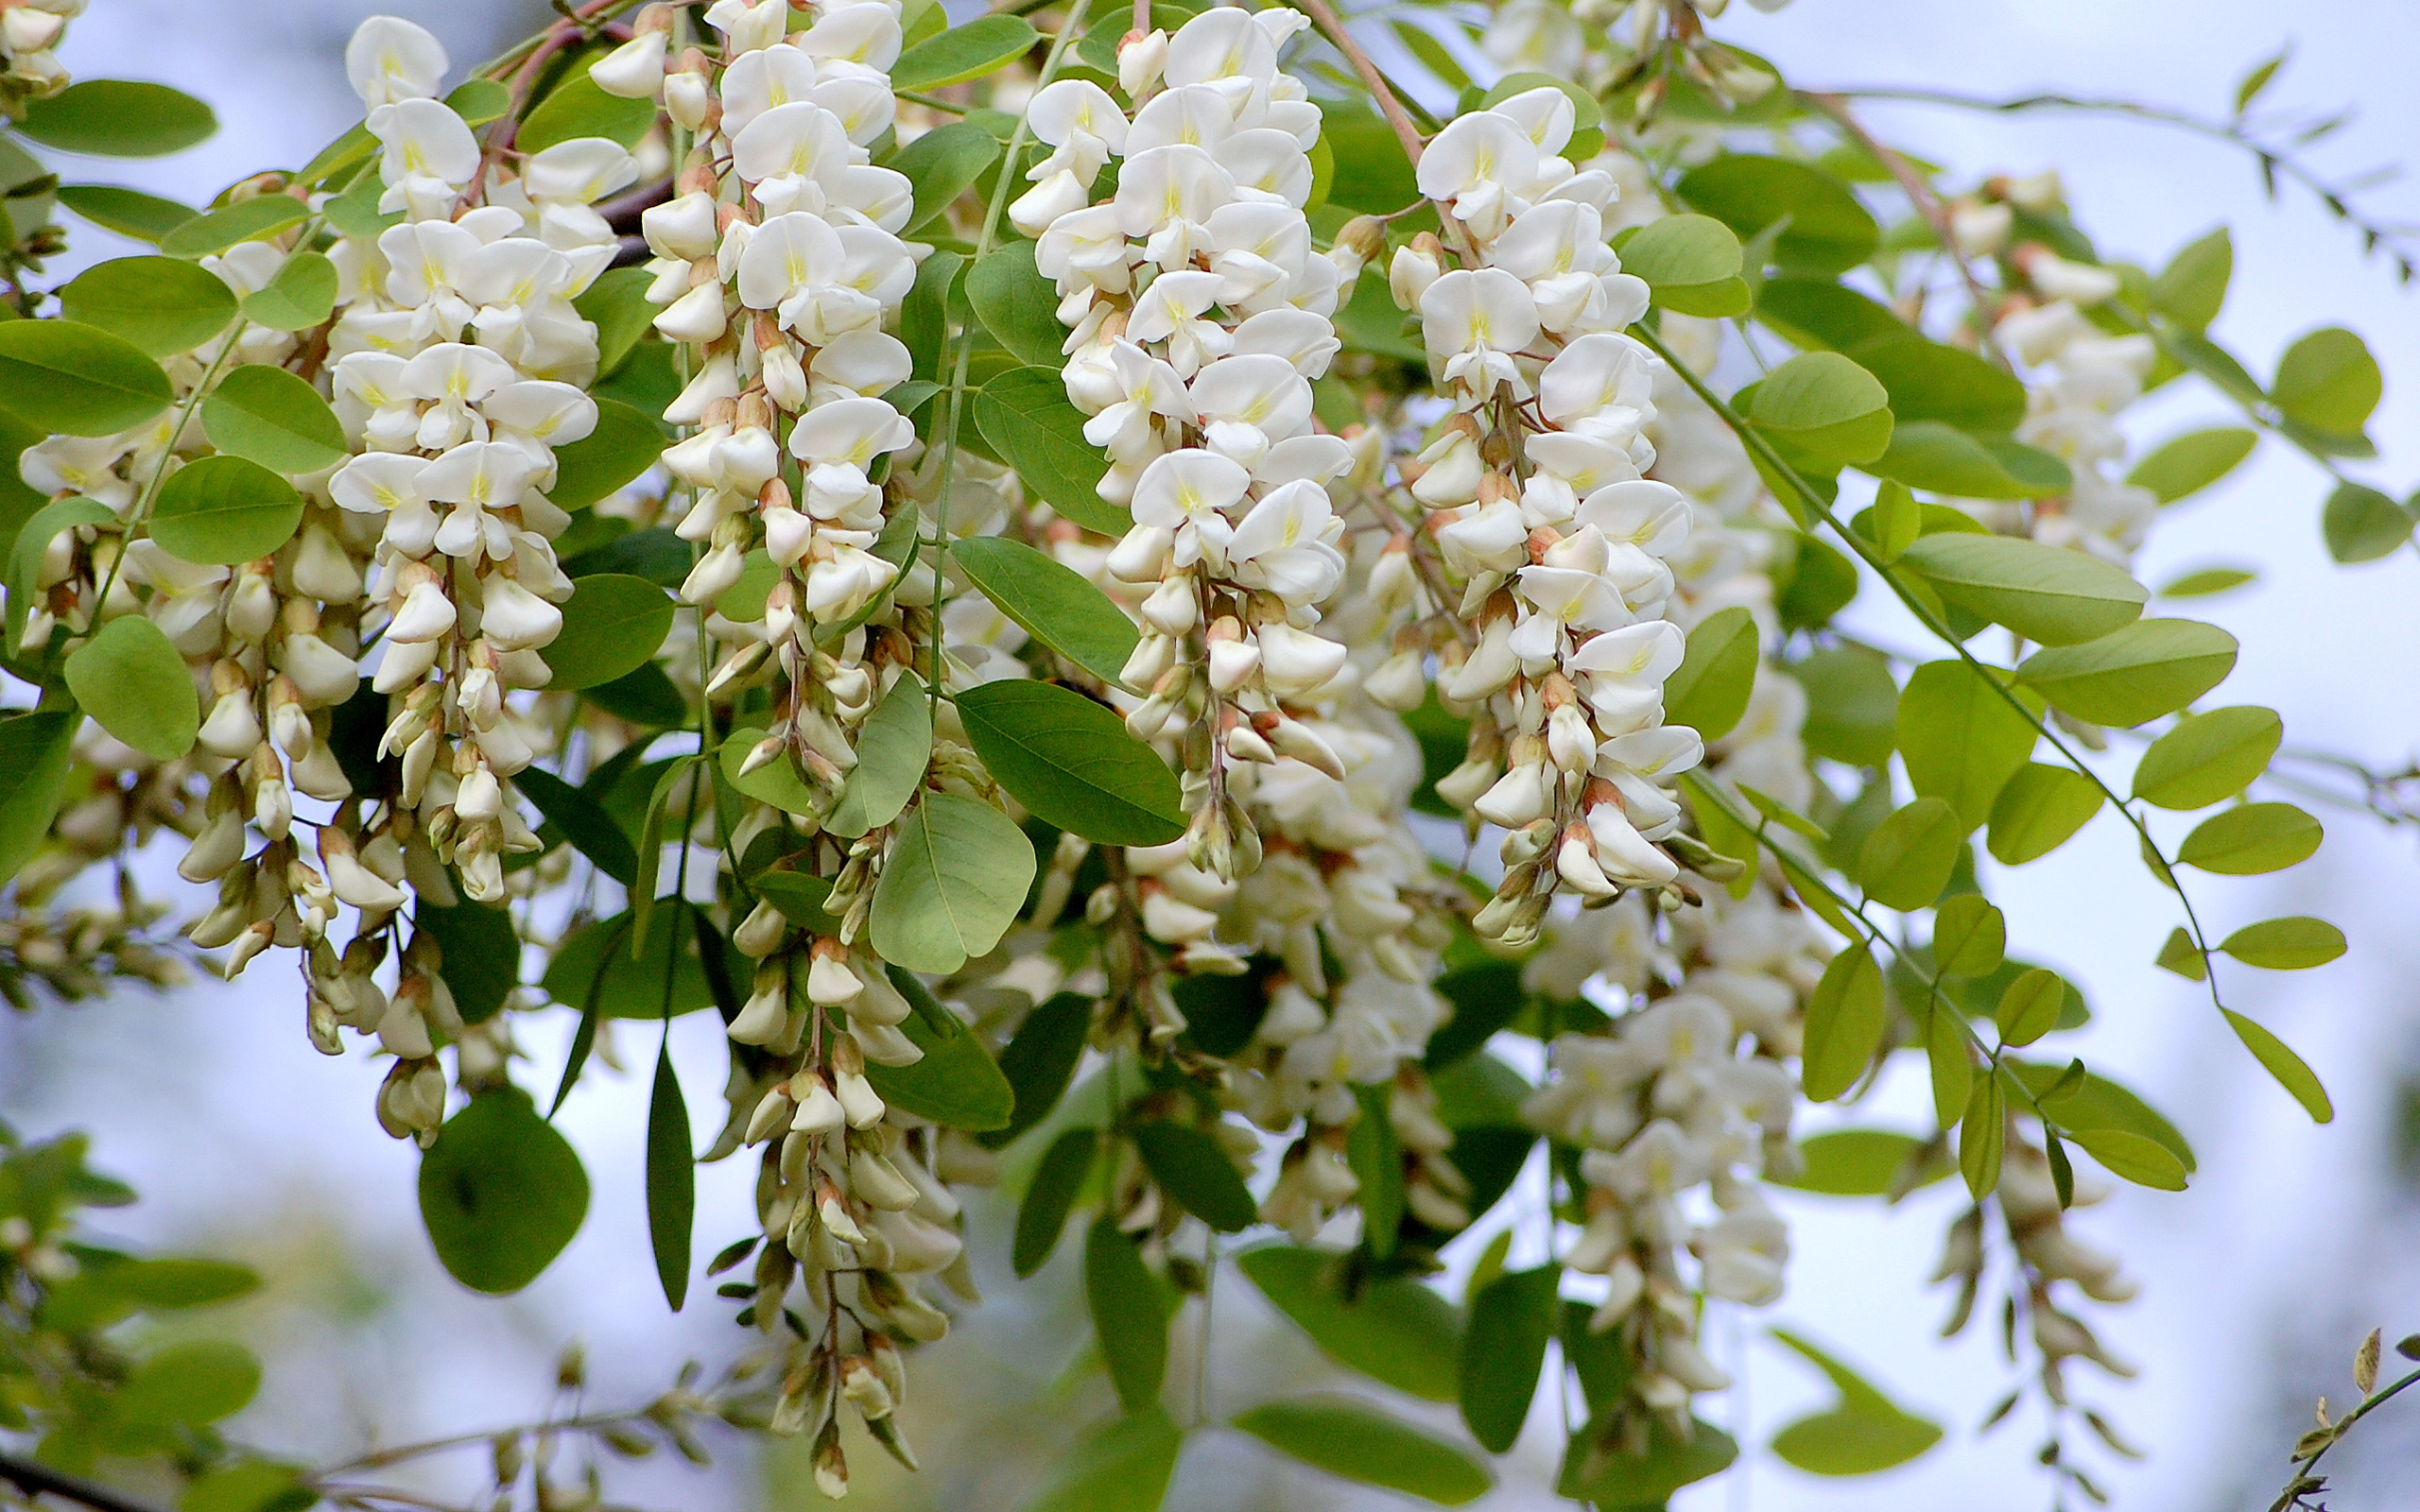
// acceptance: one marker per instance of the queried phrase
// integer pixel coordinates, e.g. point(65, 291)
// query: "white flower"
point(390, 59)
point(633, 71)
point(1287, 545)
point(1476, 164)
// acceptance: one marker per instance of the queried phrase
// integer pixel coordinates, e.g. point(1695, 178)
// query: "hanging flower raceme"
point(1543, 512)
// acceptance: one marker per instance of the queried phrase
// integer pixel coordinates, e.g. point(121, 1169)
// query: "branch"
point(2272, 159)
point(35, 1479)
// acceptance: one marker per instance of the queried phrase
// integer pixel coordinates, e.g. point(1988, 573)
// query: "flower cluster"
point(1199, 315)
point(778, 264)
point(1543, 512)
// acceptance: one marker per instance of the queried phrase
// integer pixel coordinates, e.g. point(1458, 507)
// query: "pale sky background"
point(2256, 1283)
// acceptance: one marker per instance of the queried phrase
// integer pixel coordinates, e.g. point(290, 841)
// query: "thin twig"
point(36, 1479)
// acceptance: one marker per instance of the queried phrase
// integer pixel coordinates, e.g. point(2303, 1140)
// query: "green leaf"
point(1373, 174)
point(1503, 1348)
point(958, 874)
point(943, 164)
point(579, 108)
point(1394, 1331)
point(1827, 231)
point(2097, 1103)
point(1821, 583)
point(1359, 1443)
point(1070, 761)
point(1128, 1318)
point(982, 47)
point(196, 1381)
point(582, 820)
point(33, 542)
point(2040, 810)
point(300, 297)
point(1615, 1478)
point(2192, 462)
point(1708, 691)
point(2258, 79)
point(267, 415)
point(1691, 261)
point(131, 213)
point(1895, 520)
point(1041, 1061)
point(1053, 603)
point(612, 624)
point(2193, 286)
point(2251, 838)
point(2046, 593)
point(2179, 953)
point(161, 304)
point(118, 119)
point(1375, 1155)
point(1125, 1467)
point(1845, 1023)
point(1017, 305)
point(1907, 860)
point(135, 685)
point(777, 781)
point(894, 747)
point(1936, 384)
point(957, 1083)
point(1927, 453)
point(1864, 1433)
point(2150, 669)
point(249, 1485)
point(36, 751)
point(245, 220)
point(1826, 405)
point(1857, 1162)
point(2328, 382)
point(2279, 1060)
point(1969, 937)
point(2291, 944)
point(225, 511)
point(1042, 1215)
point(2133, 1158)
point(2208, 758)
point(1433, 54)
point(501, 1193)
point(616, 304)
point(1960, 739)
point(1851, 706)
point(482, 954)
point(62, 376)
point(671, 1180)
point(2207, 581)
point(2029, 1007)
point(1193, 1167)
point(624, 444)
point(1024, 413)
point(1981, 1136)
point(634, 987)
point(2361, 525)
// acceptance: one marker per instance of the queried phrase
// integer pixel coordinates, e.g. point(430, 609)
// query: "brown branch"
point(35, 1479)
point(1920, 195)
point(1332, 26)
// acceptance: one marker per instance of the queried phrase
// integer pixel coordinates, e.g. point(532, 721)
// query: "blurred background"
point(2293, 1242)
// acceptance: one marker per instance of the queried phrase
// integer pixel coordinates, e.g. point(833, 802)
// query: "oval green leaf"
point(1024, 413)
point(300, 297)
point(224, 512)
point(501, 1193)
point(1394, 1331)
point(162, 304)
point(1825, 403)
point(1041, 1217)
point(1052, 603)
point(1071, 761)
point(245, 220)
point(1907, 860)
point(1845, 1023)
point(1193, 1166)
point(2151, 668)
point(135, 686)
point(118, 119)
point(269, 415)
point(2045, 594)
point(61, 375)
point(613, 626)
point(2192, 462)
point(2251, 838)
point(955, 877)
point(131, 213)
point(1017, 305)
point(984, 45)
point(624, 444)
point(1359, 1443)
point(1128, 1318)
point(1708, 691)
point(2292, 944)
point(2208, 758)
point(894, 745)
point(2040, 810)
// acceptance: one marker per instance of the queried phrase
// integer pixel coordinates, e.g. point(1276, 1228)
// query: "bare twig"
point(35, 1479)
